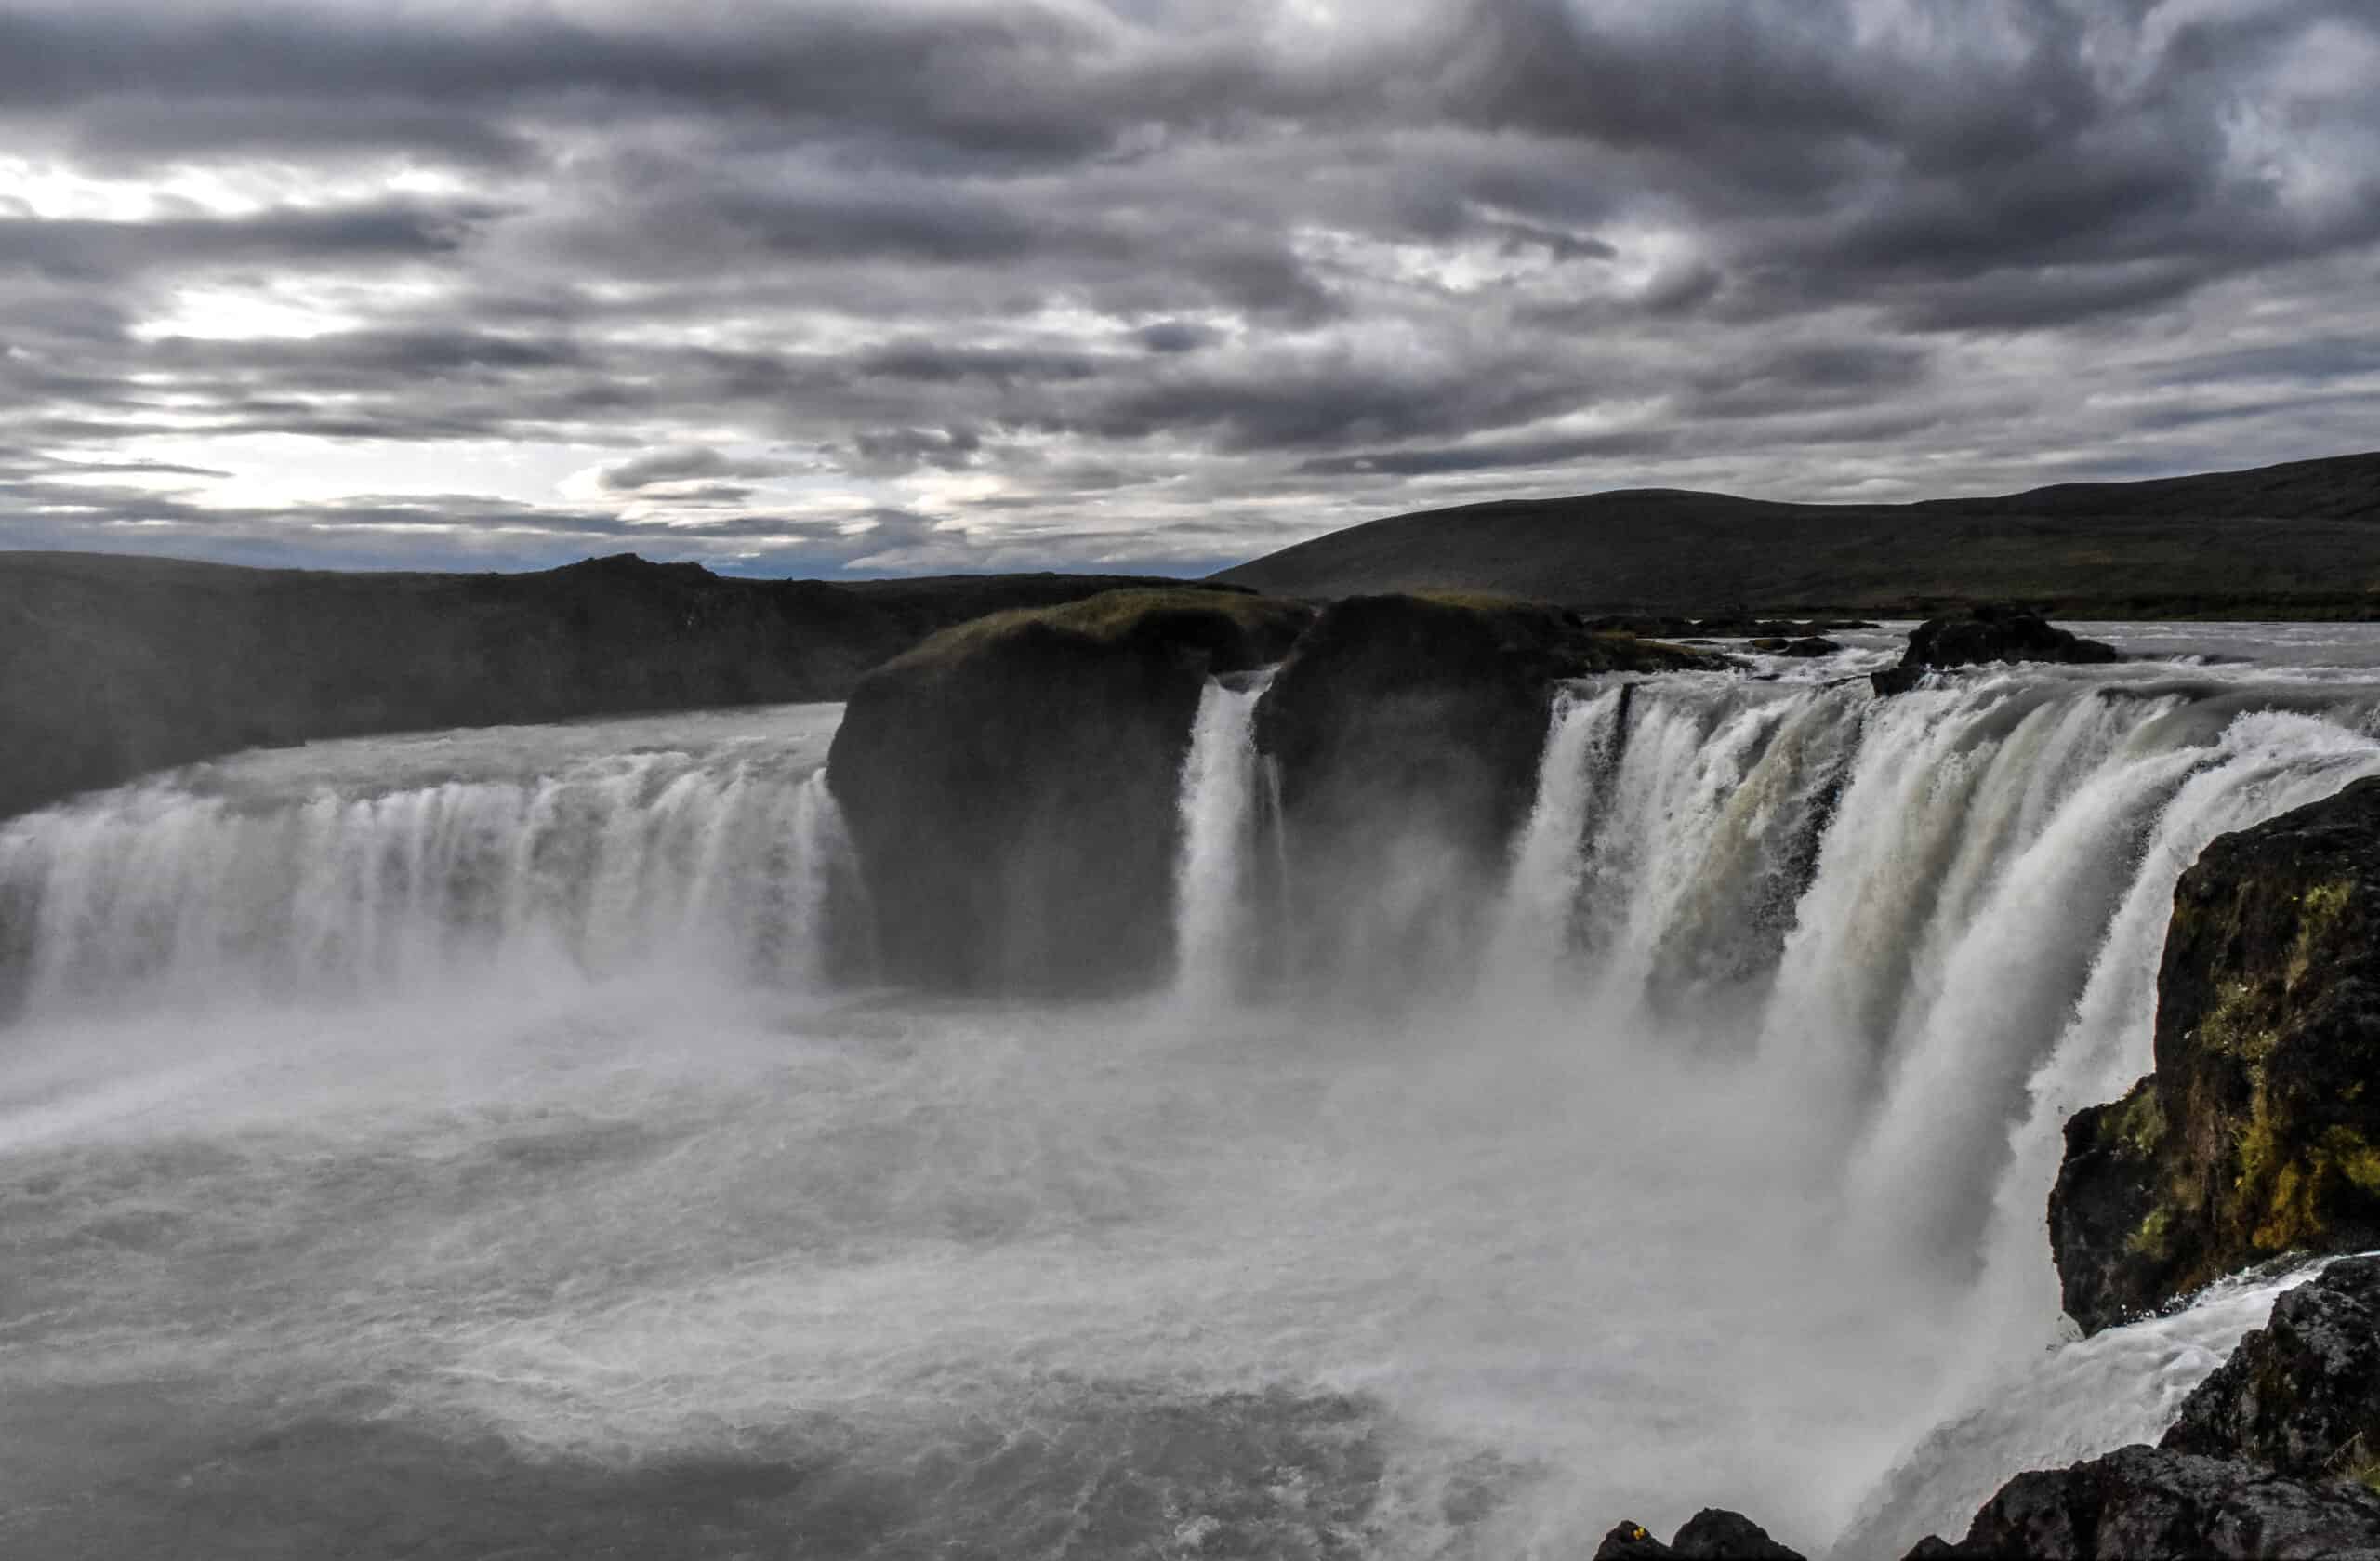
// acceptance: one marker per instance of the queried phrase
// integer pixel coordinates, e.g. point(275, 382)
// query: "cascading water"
point(236, 880)
point(1214, 879)
point(554, 1202)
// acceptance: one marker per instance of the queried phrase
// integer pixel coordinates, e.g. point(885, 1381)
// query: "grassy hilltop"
point(2295, 541)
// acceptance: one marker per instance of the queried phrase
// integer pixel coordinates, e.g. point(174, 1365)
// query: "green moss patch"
point(1106, 618)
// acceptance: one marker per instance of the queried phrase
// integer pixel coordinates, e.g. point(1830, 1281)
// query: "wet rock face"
point(1711, 1534)
point(1012, 785)
point(1987, 634)
point(2259, 1133)
point(2302, 1394)
point(1405, 732)
point(2146, 1502)
point(1400, 707)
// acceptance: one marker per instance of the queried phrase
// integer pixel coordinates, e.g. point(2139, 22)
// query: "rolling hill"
point(2299, 540)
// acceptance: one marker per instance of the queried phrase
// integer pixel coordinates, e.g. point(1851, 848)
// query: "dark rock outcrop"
point(1012, 784)
point(2259, 1133)
point(111, 668)
point(1711, 1534)
point(2143, 1501)
point(2301, 1395)
point(1413, 725)
point(1392, 704)
point(2251, 1467)
point(1987, 634)
point(1807, 646)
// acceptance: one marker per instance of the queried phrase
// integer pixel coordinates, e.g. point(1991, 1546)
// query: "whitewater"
point(500, 1143)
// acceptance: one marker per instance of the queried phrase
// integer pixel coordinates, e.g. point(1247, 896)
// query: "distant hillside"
point(110, 667)
point(2300, 540)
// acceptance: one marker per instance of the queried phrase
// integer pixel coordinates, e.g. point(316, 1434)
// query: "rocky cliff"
point(1405, 731)
point(1012, 785)
point(2259, 1133)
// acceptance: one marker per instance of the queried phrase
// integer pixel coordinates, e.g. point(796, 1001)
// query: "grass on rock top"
point(1108, 617)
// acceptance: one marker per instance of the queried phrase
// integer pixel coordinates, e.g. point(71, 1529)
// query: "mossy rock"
point(2259, 1133)
point(1011, 783)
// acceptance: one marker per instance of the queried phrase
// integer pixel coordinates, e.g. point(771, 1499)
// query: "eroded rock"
point(2144, 1501)
point(1012, 784)
point(2302, 1394)
point(2259, 1133)
point(1405, 732)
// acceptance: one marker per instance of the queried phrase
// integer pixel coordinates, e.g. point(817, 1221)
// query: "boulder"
point(2259, 1134)
point(2301, 1395)
point(1012, 785)
point(2144, 1501)
point(1987, 634)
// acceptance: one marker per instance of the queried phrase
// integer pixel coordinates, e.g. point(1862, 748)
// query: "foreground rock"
point(1405, 731)
point(111, 668)
point(2148, 1503)
point(1012, 784)
point(1709, 1535)
point(2259, 1133)
point(1987, 634)
point(2300, 1396)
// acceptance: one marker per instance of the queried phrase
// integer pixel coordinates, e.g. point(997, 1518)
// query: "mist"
point(524, 1117)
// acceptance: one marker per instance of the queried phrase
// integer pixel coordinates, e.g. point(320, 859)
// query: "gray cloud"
point(1022, 284)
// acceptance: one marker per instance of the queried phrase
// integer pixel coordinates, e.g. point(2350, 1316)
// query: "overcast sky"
point(867, 287)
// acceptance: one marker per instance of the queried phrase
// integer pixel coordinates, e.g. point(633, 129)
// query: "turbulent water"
point(490, 1144)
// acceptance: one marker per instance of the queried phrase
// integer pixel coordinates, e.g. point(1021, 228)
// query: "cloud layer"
point(894, 285)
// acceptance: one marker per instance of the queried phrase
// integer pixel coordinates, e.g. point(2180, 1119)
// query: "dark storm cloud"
point(692, 462)
point(76, 250)
point(1063, 283)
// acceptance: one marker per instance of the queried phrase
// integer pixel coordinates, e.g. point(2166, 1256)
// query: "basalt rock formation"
point(1405, 733)
point(113, 667)
point(2301, 1395)
point(1987, 634)
point(1012, 784)
point(2272, 1455)
point(2258, 1133)
point(2147, 1502)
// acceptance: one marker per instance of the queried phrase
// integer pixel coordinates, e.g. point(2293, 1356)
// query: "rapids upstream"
point(496, 1143)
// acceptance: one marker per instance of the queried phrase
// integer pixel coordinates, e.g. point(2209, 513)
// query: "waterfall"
point(1582, 744)
point(185, 889)
point(1946, 908)
point(1219, 815)
point(468, 1078)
